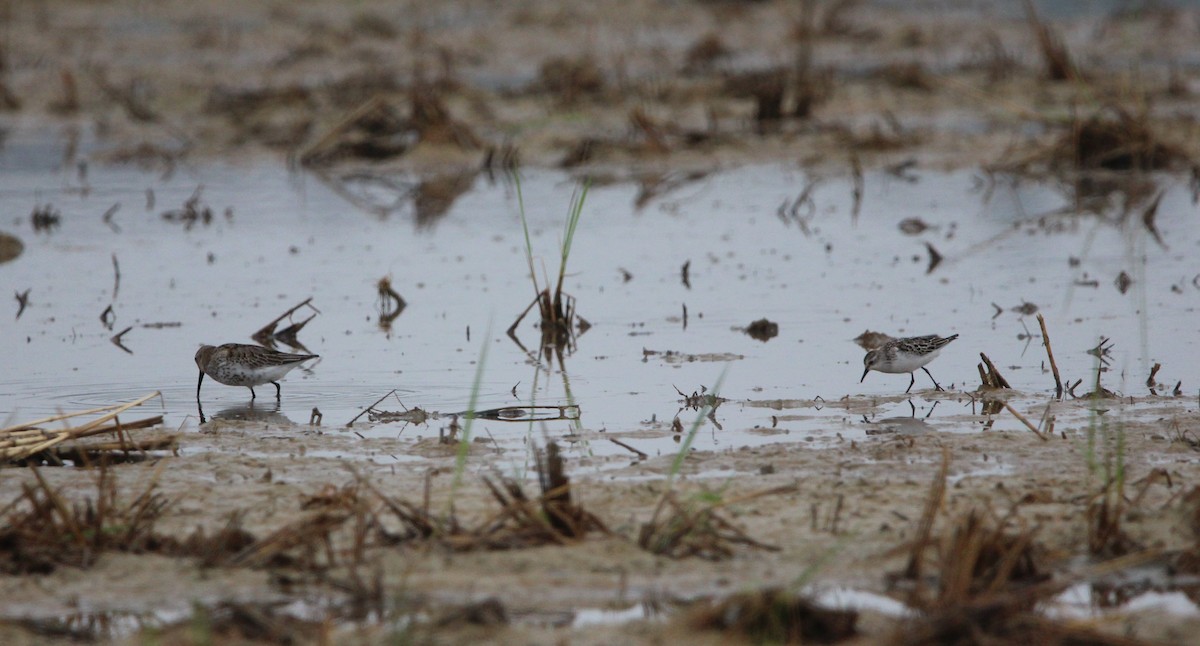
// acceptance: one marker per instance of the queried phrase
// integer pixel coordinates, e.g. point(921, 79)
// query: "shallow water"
point(819, 272)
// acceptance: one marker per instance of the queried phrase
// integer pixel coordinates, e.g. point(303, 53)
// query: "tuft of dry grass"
point(980, 581)
point(572, 80)
point(1112, 139)
point(41, 531)
point(695, 528)
point(774, 615)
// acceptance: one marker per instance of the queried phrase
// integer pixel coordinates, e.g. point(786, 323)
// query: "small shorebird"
point(238, 364)
point(906, 355)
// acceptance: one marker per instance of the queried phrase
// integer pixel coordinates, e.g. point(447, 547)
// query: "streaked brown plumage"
point(898, 356)
point(238, 364)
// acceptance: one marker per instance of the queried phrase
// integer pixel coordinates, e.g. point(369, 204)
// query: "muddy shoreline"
point(657, 103)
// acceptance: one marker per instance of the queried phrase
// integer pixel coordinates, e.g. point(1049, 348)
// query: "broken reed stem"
point(1024, 421)
point(1058, 387)
point(999, 379)
point(314, 151)
point(773, 491)
point(364, 411)
point(34, 436)
point(268, 329)
point(91, 428)
point(68, 519)
point(641, 455)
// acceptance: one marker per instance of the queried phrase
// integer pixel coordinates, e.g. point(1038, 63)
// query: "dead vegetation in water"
point(267, 335)
point(762, 330)
point(989, 376)
point(559, 323)
point(31, 443)
point(390, 304)
point(22, 301)
point(45, 218)
point(193, 212)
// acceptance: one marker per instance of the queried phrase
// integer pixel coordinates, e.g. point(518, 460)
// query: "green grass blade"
point(569, 236)
point(525, 227)
point(464, 442)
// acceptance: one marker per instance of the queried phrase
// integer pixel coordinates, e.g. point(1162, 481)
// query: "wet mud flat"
point(673, 442)
point(295, 542)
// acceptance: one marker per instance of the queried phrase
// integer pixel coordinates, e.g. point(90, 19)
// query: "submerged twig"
point(391, 304)
point(856, 174)
point(22, 301)
point(1058, 387)
point(1148, 219)
point(935, 258)
point(641, 455)
point(368, 408)
point(107, 218)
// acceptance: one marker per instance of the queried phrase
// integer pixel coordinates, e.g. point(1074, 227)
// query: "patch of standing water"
point(821, 273)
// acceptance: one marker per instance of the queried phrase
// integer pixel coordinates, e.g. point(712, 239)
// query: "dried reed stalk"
point(24, 440)
point(1058, 387)
point(1025, 421)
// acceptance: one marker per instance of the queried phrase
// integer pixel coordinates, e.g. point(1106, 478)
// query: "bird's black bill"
point(864, 377)
point(200, 381)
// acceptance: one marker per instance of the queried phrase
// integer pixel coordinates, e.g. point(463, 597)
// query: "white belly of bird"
point(907, 362)
point(233, 375)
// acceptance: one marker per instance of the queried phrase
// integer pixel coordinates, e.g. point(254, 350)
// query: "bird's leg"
point(912, 379)
point(276, 390)
point(251, 392)
point(935, 383)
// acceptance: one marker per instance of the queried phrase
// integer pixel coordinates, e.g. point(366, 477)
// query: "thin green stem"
point(525, 226)
point(464, 442)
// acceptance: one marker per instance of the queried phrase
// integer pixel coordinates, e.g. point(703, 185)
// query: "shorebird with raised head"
point(898, 356)
point(238, 364)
